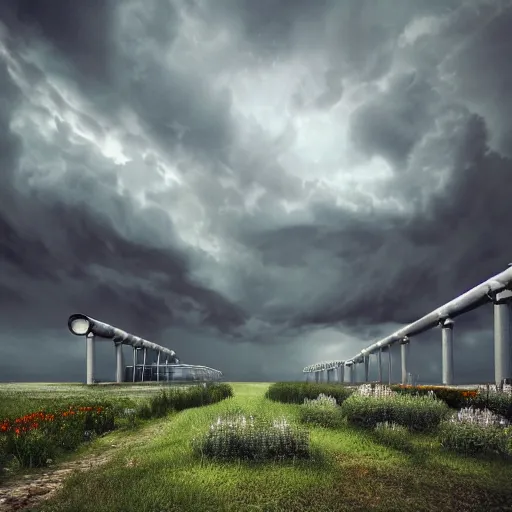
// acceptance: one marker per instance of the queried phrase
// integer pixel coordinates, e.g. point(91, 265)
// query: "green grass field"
point(17, 399)
point(350, 472)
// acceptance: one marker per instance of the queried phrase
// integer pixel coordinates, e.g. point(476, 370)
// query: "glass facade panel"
point(171, 373)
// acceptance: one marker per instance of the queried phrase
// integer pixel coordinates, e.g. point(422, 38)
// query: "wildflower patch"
point(248, 438)
point(416, 413)
point(322, 411)
point(477, 431)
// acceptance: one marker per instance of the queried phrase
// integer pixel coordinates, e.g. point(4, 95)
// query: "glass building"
point(179, 372)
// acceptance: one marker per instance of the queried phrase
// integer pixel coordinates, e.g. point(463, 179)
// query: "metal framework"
point(497, 289)
point(170, 369)
point(172, 373)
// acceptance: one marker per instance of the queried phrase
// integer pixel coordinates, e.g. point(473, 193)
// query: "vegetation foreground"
point(349, 467)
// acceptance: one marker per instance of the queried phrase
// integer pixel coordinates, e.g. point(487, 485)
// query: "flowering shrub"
point(417, 413)
point(482, 417)
point(375, 390)
point(238, 437)
point(296, 392)
point(494, 399)
point(322, 411)
point(321, 401)
point(392, 435)
point(474, 431)
point(34, 438)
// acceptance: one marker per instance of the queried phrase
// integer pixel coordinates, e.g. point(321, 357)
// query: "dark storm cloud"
point(395, 120)
point(66, 240)
point(68, 27)
point(268, 235)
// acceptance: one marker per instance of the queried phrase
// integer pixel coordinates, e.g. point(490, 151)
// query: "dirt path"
point(29, 490)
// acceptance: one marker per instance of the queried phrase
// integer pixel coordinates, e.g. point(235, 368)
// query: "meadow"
point(156, 467)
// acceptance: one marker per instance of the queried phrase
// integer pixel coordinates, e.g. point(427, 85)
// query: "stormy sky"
point(258, 185)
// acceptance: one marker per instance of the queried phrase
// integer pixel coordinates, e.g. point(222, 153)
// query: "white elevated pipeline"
point(472, 299)
point(82, 325)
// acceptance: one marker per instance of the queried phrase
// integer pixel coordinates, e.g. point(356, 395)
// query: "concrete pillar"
point(317, 376)
point(390, 380)
point(447, 351)
point(134, 363)
point(89, 357)
point(119, 362)
point(351, 371)
point(145, 351)
point(158, 366)
point(342, 373)
point(404, 353)
point(379, 364)
point(502, 336)
point(366, 367)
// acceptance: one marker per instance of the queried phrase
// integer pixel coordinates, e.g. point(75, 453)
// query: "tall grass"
point(417, 413)
point(322, 411)
point(351, 471)
point(35, 438)
point(258, 439)
point(297, 392)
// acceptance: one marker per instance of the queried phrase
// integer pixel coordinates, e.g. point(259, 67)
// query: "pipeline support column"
point(342, 373)
point(502, 336)
point(447, 351)
point(366, 367)
point(379, 364)
point(134, 363)
point(119, 362)
point(389, 365)
point(404, 353)
point(89, 355)
point(353, 375)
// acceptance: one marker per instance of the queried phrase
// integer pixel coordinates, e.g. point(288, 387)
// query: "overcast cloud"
point(257, 185)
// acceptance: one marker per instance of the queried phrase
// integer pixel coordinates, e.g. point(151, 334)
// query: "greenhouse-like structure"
point(171, 373)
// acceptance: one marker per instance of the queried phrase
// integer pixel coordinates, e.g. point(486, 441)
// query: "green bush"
point(179, 399)
point(321, 416)
point(417, 413)
point(323, 411)
point(498, 403)
point(393, 435)
point(238, 437)
point(471, 438)
point(33, 449)
point(297, 392)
